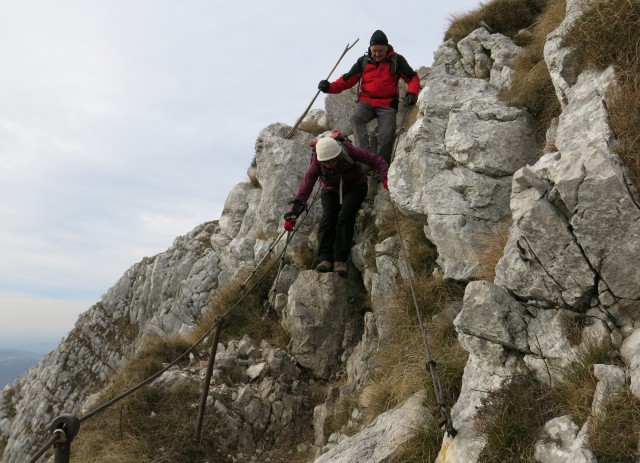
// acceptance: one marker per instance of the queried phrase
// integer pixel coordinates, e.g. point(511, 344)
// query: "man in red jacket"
point(377, 74)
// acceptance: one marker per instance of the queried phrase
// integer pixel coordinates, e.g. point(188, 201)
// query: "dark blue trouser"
point(335, 234)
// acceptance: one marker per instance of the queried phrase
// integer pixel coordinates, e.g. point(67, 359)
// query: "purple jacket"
point(351, 175)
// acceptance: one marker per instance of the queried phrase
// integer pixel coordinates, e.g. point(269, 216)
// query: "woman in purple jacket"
point(344, 188)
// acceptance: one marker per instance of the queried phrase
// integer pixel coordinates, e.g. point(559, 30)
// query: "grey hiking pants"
point(364, 113)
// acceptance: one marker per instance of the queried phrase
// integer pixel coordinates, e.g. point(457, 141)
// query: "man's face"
point(378, 52)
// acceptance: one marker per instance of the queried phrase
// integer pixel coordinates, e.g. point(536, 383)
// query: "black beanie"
point(378, 38)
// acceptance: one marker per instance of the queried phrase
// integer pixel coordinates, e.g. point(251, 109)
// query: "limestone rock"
point(315, 317)
point(378, 441)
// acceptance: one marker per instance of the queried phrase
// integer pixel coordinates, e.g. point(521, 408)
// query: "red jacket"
point(379, 85)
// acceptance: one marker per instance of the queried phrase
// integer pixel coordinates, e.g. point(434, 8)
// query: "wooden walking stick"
point(293, 129)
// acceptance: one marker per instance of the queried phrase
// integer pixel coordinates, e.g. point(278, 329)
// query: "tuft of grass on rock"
point(512, 419)
point(423, 446)
point(401, 362)
point(575, 390)
point(608, 34)
point(613, 435)
point(507, 17)
point(153, 424)
point(532, 88)
point(513, 416)
point(242, 309)
point(492, 249)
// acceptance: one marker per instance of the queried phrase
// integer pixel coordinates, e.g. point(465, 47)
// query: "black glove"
point(297, 208)
point(410, 99)
point(323, 86)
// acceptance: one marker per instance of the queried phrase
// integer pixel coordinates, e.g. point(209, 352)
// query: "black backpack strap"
point(393, 67)
point(345, 153)
point(364, 60)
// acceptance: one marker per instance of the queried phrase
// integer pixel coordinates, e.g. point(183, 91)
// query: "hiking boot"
point(324, 266)
point(340, 268)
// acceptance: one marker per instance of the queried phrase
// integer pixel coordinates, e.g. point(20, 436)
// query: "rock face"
point(388, 431)
point(315, 317)
point(455, 170)
point(466, 168)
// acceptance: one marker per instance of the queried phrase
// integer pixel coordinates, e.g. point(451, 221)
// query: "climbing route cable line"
point(65, 427)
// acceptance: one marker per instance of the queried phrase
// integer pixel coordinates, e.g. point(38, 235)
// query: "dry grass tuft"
point(339, 421)
point(423, 446)
point(613, 436)
point(624, 118)
point(507, 17)
point(573, 325)
point(386, 224)
point(532, 88)
point(401, 364)
point(432, 293)
point(574, 392)
point(608, 34)
point(492, 249)
point(422, 255)
point(512, 418)
point(151, 425)
point(244, 316)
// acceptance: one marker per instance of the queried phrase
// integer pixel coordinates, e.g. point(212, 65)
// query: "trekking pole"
point(293, 129)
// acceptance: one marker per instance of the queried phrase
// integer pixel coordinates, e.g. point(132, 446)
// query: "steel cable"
point(56, 435)
point(441, 407)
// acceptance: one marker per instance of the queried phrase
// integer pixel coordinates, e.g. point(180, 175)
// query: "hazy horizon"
point(36, 342)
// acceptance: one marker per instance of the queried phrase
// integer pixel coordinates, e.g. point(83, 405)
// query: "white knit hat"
point(327, 149)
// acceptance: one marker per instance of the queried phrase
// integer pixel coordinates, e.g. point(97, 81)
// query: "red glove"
point(385, 184)
point(289, 225)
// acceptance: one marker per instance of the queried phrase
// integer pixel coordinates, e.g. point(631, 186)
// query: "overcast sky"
point(126, 123)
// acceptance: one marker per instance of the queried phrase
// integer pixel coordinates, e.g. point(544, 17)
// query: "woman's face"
point(331, 163)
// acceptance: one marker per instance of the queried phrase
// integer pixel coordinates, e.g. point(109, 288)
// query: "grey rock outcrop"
point(252, 212)
point(568, 200)
point(570, 254)
point(378, 442)
point(316, 315)
point(455, 170)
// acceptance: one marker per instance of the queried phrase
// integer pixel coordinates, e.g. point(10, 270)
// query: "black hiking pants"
point(335, 235)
